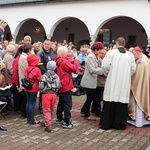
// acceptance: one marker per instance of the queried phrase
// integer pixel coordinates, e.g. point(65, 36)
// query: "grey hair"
point(27, 37)
point(62, 51)
point(11, 48)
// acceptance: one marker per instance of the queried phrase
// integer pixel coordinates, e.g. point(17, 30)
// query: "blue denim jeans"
point(31, 101)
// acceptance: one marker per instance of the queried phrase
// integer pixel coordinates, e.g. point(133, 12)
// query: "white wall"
point(94, 13)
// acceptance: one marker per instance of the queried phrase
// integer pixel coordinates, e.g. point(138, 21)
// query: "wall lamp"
point(37, 29)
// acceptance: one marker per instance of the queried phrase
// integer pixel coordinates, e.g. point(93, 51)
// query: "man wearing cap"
point(82, 55)
point(139, 104)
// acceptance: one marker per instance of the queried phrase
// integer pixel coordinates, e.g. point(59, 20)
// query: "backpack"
point(49, 82)
point(26, 83)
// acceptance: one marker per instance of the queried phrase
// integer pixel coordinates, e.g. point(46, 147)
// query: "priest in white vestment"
point(118, 65)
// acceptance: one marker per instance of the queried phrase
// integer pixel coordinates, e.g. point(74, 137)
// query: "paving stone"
point(24, 137)
point(69, 142)
point(95, 140)
point(80, 143)
point(145, 139)
point(129, 136)
point(15, 140)
point(110, 143)
point(58, 142)
point(136, 148)
point(119, 137)
point(117, 147)
point(26, 141)
point(72, 147)
point(5, 135)
point(115, 140)
point(141, 143)
point(76, 139)
point(21, 130)
point(43, 148)
point(55, 148)
point(14, 136)
point(130, 143)
point(79, 148)
point(105, 140)
point(85, 139)
point(45, 137)
point(120, 143)
point(62, 146)
point(124, 140)
point(134, 140)
point(126, 147)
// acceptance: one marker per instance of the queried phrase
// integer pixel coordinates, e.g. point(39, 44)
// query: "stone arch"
point(70, 26)
point(32, 27)
point(125, 26)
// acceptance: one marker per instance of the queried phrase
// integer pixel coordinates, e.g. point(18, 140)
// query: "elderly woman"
point(5, 94)
point(65, 68)
point(8, 60)
point(89, 79)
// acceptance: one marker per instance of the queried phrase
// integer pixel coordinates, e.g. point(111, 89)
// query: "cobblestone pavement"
point(85, 136)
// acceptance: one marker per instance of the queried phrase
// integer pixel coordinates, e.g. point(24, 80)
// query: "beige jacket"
point(101, 79)
point(22, 65)
point(8, 60)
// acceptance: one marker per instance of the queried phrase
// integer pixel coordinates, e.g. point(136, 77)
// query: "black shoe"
point(43, 124)
point(99, 115)
point(77, 93)
point(24, 116)
point(48, 129)
point(34, 121)
point(81, 112)
point(82, 93)
point(3, 128)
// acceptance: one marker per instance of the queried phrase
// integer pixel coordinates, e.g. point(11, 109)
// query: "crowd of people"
point(116, 82)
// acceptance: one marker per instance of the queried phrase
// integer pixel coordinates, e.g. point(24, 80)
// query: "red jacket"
point(64, 70)
point(15, 75)
point(35, 75)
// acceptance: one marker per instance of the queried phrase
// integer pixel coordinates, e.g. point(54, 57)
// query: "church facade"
point(77, 20)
